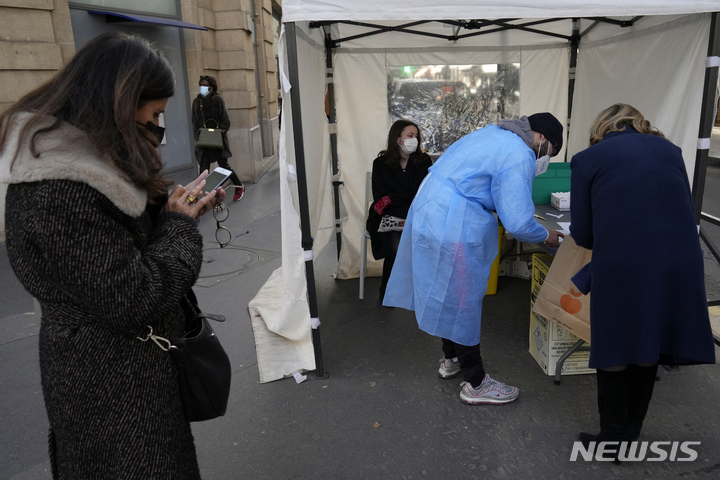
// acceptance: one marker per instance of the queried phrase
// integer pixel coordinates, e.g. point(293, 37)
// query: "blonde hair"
point(616, 118)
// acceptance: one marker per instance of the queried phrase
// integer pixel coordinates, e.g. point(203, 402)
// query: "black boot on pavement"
point(642, 382)
point(613, 400)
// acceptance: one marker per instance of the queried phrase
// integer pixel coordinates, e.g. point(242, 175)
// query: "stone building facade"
point(238, 48)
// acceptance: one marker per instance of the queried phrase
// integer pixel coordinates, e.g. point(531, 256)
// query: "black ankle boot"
point(613, 394)
point(642, 383)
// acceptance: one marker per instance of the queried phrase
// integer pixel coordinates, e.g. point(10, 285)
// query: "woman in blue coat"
point(631, 204)
point(450, 239)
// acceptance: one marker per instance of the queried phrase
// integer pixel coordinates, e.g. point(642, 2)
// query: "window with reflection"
point(449, 101)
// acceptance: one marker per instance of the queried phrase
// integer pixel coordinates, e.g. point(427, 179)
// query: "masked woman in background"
point(632, 206)
point(397, 174)
point(208, 111)
point(92, 234)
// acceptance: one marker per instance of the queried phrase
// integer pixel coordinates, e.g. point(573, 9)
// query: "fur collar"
point(66, 154)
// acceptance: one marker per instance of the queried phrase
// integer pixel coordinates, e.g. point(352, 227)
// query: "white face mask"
point(541, 164)
point(409, 145)
point(204, 90)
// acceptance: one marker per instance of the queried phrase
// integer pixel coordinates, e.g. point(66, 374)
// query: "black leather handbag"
point(204, 371)
point(209, 137)
point(203, 368)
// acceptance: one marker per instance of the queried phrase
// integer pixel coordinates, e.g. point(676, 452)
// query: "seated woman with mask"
point(397, 174)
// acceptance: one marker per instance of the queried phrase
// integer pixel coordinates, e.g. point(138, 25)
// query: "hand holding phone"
point(216, 179)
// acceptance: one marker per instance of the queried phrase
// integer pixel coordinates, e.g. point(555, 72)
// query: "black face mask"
point(157, 131)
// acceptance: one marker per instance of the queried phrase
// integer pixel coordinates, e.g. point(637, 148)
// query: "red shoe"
point(239, 192)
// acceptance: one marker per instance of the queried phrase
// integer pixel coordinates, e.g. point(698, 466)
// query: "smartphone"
point(216, 179)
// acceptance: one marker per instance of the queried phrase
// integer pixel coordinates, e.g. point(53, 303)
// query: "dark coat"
point(631, 204)
point(112, 401)
point(401, 186)
point(212, 110)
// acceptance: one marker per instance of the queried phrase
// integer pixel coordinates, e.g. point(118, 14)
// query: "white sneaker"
point(489, 391)
point(448, 368)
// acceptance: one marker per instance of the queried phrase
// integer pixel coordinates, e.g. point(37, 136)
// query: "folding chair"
point(365, 236)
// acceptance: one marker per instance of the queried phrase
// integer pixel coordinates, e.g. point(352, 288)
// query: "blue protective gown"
point(450, 237)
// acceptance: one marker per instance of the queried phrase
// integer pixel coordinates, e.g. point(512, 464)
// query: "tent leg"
point(329, 45)
point(307, 240)
point(574, 45)
point(707, 119)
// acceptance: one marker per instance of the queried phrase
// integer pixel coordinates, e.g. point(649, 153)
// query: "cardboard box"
point(561, 201)
point(548, 340)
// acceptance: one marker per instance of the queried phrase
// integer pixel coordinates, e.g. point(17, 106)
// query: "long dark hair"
point(393, 149)
point(99, 92)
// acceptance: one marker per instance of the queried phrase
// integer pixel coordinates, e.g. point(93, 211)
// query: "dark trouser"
point(207, 160)
point(387, 269)
point(394, 239)
point(470, 360)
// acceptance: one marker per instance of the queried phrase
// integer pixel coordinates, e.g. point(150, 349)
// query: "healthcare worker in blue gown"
point(450, 239)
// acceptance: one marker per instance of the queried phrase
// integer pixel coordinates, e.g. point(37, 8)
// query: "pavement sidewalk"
point(382, 412)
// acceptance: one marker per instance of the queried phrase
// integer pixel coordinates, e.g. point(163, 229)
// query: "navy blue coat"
point(631, 204)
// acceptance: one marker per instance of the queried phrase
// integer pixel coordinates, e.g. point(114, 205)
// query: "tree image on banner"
point(450, 101)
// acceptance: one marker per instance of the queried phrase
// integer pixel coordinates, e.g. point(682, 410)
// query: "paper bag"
point(559, 299)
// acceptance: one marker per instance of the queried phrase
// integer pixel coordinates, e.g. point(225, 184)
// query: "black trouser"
point(394, 240)
point(470, 360)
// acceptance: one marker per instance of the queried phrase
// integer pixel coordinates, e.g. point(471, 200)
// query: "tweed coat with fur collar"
point(112, 401)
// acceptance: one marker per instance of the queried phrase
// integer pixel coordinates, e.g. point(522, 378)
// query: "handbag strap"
point(202, 114)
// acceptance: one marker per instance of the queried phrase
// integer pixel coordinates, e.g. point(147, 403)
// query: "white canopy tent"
point(574, 57)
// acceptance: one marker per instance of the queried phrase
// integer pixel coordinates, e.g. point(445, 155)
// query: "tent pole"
point(329, 45)
point(307, 240)
point(574, 45)
point(707, 117)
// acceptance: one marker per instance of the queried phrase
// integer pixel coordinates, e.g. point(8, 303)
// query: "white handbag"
point(391, 224)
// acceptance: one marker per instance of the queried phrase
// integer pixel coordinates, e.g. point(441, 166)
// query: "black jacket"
point(210, 112)
point(401, 186)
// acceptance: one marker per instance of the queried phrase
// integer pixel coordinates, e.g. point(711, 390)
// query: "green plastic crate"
point(556, 179)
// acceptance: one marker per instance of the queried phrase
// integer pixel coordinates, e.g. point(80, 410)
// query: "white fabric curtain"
point(363, 120)
point(298, 10)
point(280, 313)
point(660, 71)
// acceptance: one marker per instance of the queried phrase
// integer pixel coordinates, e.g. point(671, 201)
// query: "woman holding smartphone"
point(94, 236)
point(208, 111)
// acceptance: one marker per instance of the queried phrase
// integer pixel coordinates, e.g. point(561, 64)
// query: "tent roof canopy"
point(457, 30)
point(378, 10)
